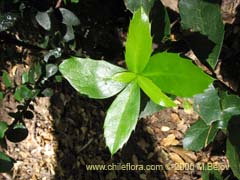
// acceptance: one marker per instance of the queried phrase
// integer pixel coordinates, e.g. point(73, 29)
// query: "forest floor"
point(66, 132)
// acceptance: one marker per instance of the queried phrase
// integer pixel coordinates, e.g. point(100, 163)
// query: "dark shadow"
point(233, 131)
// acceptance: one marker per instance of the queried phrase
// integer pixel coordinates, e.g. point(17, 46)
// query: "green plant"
point(156, 75)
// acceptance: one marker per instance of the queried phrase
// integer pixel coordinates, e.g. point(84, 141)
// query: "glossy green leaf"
point(216, 106)
point(134, 5)
point(51, 69)
point(17, 133)
point(91, 77)
point(125, 77)
point(6, 163)
point(233, 155)
point(199, 135)
point(69, 18)
point(43, 20)
point(122, 116)
point(3, 128)
point(150, 108)
point(6, 79)
point(211, 175)
point(197, 15)
point(139, 42)
point(207, 105)
point(176, 75)
point(154, 93)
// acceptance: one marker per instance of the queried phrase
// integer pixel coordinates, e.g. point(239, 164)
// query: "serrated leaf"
point(176, 75)
point(51, 69)
point(7, 20)
point(6, 79)
point(199, 135)
point(207, 105)
point(150, 108)
point(91, 77)
point(69, 18)
point(6, 163)
point(3, 128)
point(43, 20)
point(233, 156)
point(154, 92)
point(134, 5)
point(125, 77)
point(197, 15)
point(121, 118)
point(139, 42)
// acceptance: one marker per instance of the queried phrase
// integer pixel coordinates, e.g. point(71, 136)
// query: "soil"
point(66, 131)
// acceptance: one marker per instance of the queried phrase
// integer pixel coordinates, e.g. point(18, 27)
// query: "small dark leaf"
point(58, 78)
point(6, 79)
point(6, 163)
point(199, 135)
point(150, 108)
point(47, 92)
point(28, 115)
point(7, 20)
point(15, 115)
point(134, 5)
point(17, 133)
point(69, 18)
point(3, 128)
point(69, 34)
point(207, 105)
point(23, 92)
point(34, 72)
point(43, 20)
point(54, 52)
point(51, 69)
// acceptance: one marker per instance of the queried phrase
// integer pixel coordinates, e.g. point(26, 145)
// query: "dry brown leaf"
point(169, 140)
point(176, 158)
